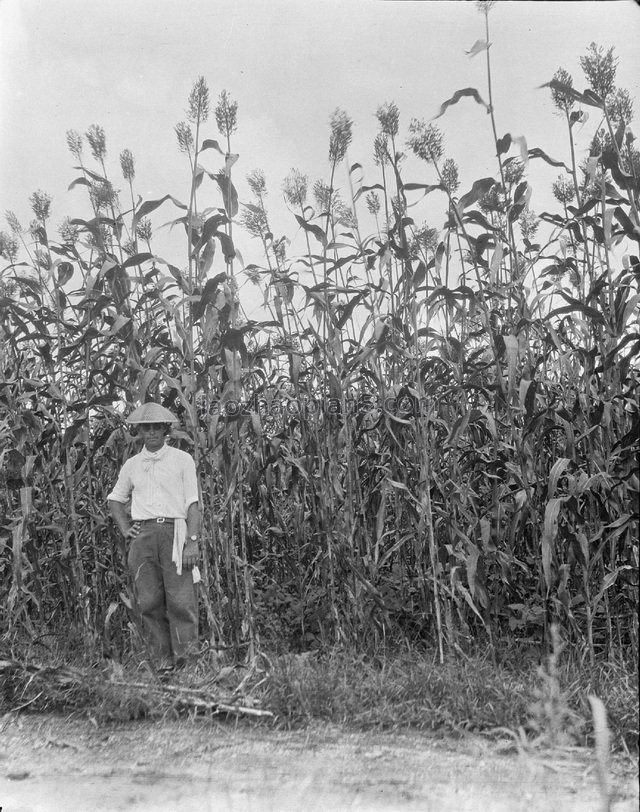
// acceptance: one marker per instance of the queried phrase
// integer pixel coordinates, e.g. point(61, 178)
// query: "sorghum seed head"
point(322, 195)
point(103, 195)
point(280, 250)
point(373, 203)
point(13, 222)
point(226, 114)
point(620, 107)
point(40, 205)
point(600, 68)
point(425, 140)
point(450, 178)
point(295, 188)
point(97, 141)
point(198, 109)
point(427, 238)
point(35, 230)
point(144, 230)
point(341, 135)
point(69, 232)
point(344, 215)
point(127, 165)
point(74, 142)
point(8, 246)
point(380, 150)
point(388, 116)
point(257, 182)
point(529, 224)
point(485, 6)
point(493, 200)
point(185, 137)
point(254, 220)
point(563, 190)
point(513, 172)
point(561, 100)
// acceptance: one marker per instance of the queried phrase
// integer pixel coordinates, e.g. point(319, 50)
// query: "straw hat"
point(151, 413)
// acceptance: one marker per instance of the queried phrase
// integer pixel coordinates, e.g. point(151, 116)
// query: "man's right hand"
point(133, 531)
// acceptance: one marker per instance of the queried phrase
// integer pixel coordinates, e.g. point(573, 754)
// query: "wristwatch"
point(194, 537)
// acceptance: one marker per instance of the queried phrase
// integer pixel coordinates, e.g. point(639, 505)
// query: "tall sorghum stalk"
point(226, 114)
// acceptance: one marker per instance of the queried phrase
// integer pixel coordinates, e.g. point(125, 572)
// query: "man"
point(163, 532)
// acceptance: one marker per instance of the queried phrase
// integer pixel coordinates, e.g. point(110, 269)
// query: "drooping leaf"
point(608, 581)
point(503, 144)
point(522, 193)
point(137, 259)
point(151, 205)
point(364, 189)
point(458, 429)
point(94, 175)
point(512, 351)
point(460, 94)
point(317, 232)
point(209, 229)
point(496, 260)
point(478, 190)
point(515, 211)
point(536, 152)
point(211, 144)
point(205, 260)
point(208, 296)
point(347, 310)
point(479, 218)
point(426, 188)
point(65, 272)
point(630, 229)
point(78, 182)
point(549, 533)
point(420, 274)
point(588, 97)
point(92, 226)
point(575, 304)
point(558, 468)
point(521, 141)
point(226, 244)
point(229, 193)
point(119, 322)
point(478, 47)
point(230, 159)
point(72, 432)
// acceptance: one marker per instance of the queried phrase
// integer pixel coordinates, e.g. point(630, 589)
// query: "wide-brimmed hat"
point(151, 413)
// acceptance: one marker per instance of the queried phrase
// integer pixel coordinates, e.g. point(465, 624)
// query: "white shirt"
point(160, 483)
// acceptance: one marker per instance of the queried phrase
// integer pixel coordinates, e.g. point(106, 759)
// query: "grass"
point(543, 705)
point(465, 694)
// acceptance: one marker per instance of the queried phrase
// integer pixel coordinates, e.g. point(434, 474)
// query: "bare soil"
point(54, 764)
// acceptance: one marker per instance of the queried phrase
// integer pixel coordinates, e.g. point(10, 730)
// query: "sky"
point(129, 65)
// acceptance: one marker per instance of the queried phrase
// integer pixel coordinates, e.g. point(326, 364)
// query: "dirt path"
point(48, 764)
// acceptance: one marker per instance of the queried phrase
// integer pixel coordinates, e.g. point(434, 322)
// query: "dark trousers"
point(167, 601)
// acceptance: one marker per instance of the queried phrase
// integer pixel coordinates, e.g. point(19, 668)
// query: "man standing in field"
point(163, 532)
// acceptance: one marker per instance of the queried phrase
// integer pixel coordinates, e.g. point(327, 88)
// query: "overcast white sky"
point(129, 65)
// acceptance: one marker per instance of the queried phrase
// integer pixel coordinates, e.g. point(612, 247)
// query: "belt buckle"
point(161, 520)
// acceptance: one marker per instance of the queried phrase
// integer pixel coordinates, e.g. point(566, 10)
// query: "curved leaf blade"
point(466, 92)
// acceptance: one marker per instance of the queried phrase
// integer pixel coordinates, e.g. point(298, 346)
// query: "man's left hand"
point(190, 554)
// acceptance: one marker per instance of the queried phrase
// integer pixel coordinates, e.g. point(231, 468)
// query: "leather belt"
point(160, 520)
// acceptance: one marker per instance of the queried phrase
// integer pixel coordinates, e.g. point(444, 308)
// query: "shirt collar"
point(154, 456)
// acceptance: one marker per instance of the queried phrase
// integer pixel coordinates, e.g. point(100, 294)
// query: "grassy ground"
point(546, 703)
point(537, 704)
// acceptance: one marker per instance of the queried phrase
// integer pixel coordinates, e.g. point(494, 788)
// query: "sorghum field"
point(419, 468)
